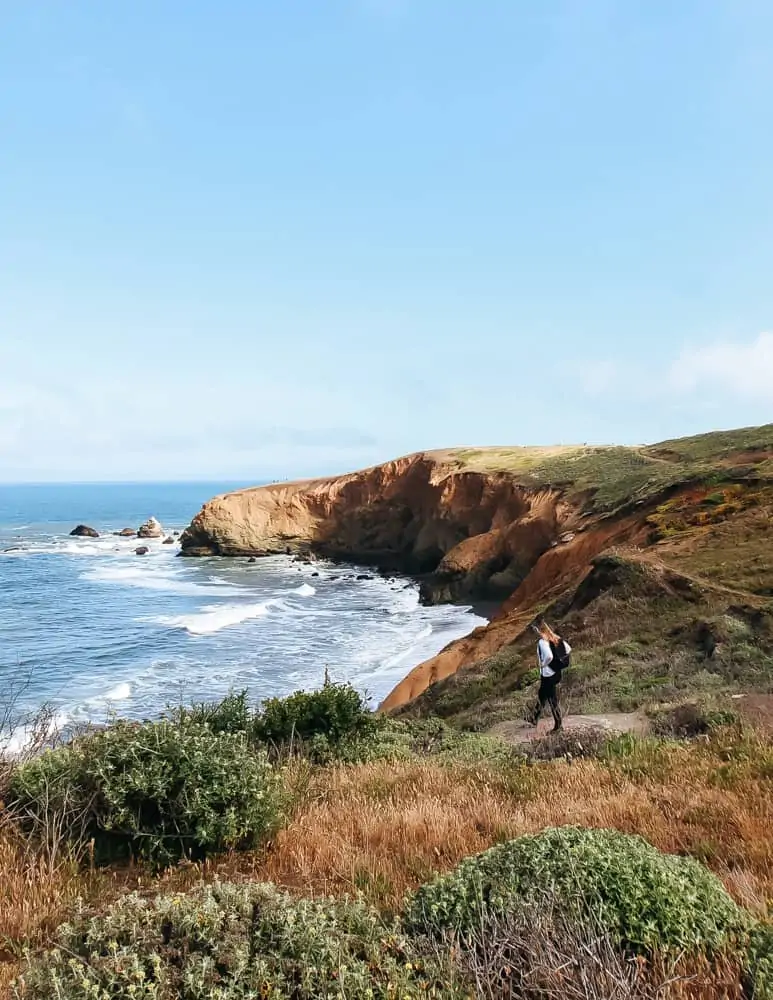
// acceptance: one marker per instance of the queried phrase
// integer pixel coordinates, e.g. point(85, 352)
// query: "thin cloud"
point(739, 369)
point(596, 378)
point(729, 369)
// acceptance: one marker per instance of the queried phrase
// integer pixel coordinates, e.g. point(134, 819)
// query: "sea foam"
point(215, 617)
point(151, 577)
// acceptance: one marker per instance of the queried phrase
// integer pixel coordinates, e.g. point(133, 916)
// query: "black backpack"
point(561, 659)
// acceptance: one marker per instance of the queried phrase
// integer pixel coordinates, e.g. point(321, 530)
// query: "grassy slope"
point(643, 624)
point(618, 476)
point(642, 640)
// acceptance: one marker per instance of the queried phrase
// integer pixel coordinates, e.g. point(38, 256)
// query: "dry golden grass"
point(386, 827)
point(35, 896)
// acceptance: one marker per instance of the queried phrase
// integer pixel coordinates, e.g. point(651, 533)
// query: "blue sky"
point(258, 238)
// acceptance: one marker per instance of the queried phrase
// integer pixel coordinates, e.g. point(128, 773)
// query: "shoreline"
point(353, 612)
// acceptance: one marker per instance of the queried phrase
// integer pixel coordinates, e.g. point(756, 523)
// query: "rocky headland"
point(521, 526)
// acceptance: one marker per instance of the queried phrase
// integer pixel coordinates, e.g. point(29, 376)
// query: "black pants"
point(548, 694)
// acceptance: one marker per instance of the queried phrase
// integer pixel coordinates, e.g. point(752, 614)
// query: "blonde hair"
point(548, 634)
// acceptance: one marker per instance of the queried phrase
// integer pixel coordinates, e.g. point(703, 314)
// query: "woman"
point(553, 655)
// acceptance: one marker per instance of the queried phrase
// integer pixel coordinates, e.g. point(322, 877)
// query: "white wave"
point(119, 693)
point(20, 738)
point(410, 650)
point(150, 577)
point(305, 590)
point(107, 544)
point(302, 611)
point(215, 617)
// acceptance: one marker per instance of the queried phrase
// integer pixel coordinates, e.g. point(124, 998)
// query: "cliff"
point(520, 525)
point(464, 532)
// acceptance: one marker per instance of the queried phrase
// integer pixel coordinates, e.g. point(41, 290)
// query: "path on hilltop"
point(517, 731)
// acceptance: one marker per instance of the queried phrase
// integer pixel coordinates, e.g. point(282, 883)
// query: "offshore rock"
point(84, 531)
point(150, 529)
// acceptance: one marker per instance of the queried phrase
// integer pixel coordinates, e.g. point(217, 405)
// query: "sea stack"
point(150, 529)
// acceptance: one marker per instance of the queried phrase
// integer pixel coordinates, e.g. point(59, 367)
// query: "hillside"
point(647, 557)
point(307, 847)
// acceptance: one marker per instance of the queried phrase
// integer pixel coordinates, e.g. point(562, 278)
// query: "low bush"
point(159, 791)
point(230, 715)
point(570, 744)
point(540, 952)
point(233, 942)
point(759, 963)
point(330, 716)
point(444, 743)
point(405, 739)
point(644, 899)
point(689, 720)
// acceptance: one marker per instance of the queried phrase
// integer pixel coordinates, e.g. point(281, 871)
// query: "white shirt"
point(545, 656)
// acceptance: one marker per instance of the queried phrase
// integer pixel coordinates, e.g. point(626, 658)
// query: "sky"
point(260, 239)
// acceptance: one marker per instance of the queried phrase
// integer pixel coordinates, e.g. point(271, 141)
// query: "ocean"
point(92, 630)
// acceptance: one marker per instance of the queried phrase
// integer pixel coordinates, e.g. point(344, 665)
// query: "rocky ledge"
point(462, 533)
point(523, 526)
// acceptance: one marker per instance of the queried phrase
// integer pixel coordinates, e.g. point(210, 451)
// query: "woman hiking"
point(553, 655)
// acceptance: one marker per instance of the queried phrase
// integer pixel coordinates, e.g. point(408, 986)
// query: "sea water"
point(90, 629)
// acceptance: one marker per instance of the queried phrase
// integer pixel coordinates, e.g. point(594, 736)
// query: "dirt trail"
point(517, 731)
point(651, 559)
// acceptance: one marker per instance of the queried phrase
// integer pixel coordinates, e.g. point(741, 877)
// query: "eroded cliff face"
point(522, 526)
point(463, 533)
point(560, 568)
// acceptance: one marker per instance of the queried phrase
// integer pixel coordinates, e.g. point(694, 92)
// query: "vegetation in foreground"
point(387, 858)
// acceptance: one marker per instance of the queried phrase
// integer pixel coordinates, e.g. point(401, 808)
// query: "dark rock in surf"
point(141, 550)
point(125, 533)
point(252, 559)
point(84, 531)
point(168, 541)
point(364, 576)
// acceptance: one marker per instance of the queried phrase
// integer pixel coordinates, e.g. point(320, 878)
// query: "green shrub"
point(334, 713)
point(159, 791)
point(231, 715)
point(645, 899)
point(404, 739)
point(760, 963)
point(233, 942)
point(571, 744)
point(690, 719)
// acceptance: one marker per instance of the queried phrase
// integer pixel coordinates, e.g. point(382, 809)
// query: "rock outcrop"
point(463, 533)
point(150, 529)
point(84, 531)
point(126, 533)
point(517, 525)
point(141, 550)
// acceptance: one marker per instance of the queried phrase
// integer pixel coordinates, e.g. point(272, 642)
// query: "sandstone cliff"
point(463, 532)
point(513, 524)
